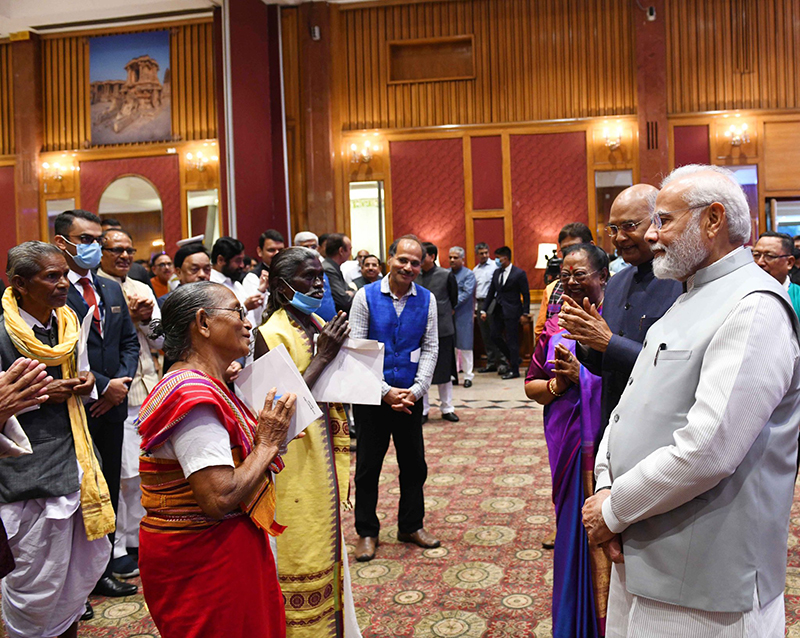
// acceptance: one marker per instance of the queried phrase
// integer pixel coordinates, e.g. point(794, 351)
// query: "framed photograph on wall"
point(130, 88)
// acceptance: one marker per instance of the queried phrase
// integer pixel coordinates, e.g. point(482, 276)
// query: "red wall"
point(487, 173)
point(489, 231)
point(428, 192)
point(548, 190)
point(161, 171)
point(691, 145)
point(8, 207)
point(257, 144)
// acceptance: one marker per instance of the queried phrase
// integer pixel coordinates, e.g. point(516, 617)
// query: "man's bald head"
point(629, 221)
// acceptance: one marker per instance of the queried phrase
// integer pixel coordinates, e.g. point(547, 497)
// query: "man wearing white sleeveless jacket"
point(695, 472)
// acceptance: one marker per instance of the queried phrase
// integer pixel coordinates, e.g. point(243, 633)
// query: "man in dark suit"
point(508, 300)
point(634, 299)
point(338, 250)
point(113, 353)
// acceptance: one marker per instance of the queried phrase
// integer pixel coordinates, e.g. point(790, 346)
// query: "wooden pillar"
point(651, 83)
point(315, 102)
point(27, 69)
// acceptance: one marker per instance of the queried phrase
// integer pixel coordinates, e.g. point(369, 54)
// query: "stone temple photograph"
point(130, 88)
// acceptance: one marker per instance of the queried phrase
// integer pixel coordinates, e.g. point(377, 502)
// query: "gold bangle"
point(551, 387)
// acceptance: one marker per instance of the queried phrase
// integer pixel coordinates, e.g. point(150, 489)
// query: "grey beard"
point(682, 258)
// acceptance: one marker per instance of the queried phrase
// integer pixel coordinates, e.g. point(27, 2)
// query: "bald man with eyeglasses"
point(634, 299)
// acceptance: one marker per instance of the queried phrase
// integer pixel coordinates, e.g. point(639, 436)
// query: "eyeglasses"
point(119, 250)
point(579, 276)
point(85, 239)
point(657, 218)
point(168, 264)
point(242, 311)
point(625, 227)
point(768, 257)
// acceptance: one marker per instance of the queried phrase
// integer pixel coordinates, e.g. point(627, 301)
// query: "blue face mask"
point(497, 261)
point(88, 256)
point(303, 303)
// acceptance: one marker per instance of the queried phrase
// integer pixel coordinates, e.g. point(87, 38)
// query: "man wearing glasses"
point(113, 353)
point(115, 264)
point(773, 254)
point(634, 299)
point(696, 469)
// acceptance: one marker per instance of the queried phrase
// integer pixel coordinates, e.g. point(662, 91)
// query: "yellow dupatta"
point(98, 515)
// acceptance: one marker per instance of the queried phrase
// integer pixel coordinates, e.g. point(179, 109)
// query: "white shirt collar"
point(730, 255)
point(385, 289)
point(787, 283)
point(74, 277)
point(32, 321)
point(508, 268)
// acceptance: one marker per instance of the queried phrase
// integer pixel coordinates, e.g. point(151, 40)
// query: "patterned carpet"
point(488, 500)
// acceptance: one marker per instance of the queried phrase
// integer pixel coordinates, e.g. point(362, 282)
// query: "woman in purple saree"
point(572, 427)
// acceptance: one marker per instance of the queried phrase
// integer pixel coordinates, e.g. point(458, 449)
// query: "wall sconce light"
point(364, 155)
point(612, 142)
point(738, 135)
point(199, 161)
point(56, 171)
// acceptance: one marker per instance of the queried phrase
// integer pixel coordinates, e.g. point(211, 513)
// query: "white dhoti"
point(129, 511)
point(56, 566)
point(445, 399)
point(631, 616)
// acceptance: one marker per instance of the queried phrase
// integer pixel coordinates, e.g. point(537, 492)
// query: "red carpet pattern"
point(488, 500)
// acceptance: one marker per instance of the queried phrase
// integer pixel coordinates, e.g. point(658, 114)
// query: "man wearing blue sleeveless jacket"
point(403, 317)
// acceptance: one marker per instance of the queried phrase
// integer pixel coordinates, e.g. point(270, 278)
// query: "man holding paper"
point(403, 317)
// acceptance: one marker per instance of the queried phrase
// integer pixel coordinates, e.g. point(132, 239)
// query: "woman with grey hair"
point(54, 501)
point(206, 469)
point(312, 490)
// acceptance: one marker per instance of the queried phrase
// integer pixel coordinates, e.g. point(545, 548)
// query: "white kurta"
point(718, 435)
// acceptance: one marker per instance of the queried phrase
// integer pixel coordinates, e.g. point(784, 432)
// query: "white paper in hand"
point(277, 370)
point(83, 351)
point(354, 376)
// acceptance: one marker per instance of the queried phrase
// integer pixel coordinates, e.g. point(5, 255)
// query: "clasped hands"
point(401, 399)
point(597, 530)
point(584, 324)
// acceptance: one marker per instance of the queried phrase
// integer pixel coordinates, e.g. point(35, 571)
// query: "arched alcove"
point(136, 204)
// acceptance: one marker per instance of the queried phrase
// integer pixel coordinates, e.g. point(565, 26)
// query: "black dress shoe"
point(487, 369)
point(89, 613)
point(451, 416)
point(503, 370)
point(511, 375)
point(113, 588)
point(467, 383)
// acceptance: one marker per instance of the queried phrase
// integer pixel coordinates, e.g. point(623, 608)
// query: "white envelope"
point(83, 351)
point(277, 370)
point(354, 376)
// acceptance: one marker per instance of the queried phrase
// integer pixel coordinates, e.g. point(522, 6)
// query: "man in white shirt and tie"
point(696, 469)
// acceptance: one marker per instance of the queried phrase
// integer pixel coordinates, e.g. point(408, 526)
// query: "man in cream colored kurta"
point(142, 304)
point(695, 472)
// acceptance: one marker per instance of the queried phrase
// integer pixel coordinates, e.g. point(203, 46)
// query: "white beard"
point(682, 258)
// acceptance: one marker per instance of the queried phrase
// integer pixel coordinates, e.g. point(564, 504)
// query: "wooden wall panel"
point(534, 60)
point(7, 146)
point(732, 54)
point(65, 76)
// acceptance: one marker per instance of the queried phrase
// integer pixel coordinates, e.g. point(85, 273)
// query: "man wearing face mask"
point(113, 349)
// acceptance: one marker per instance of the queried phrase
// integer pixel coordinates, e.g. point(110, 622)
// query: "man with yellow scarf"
point(54, 502)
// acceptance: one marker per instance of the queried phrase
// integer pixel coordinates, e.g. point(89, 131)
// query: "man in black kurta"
point(442, 283)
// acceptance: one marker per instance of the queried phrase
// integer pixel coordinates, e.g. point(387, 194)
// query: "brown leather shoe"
point(365, 548)
point(420, 537)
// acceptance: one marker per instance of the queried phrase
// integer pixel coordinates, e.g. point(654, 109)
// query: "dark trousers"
point(107, 437)
point(493, 356)
point(509, 345)
point(375, 425)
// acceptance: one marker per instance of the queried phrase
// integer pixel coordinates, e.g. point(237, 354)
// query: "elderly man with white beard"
point(695, 472)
